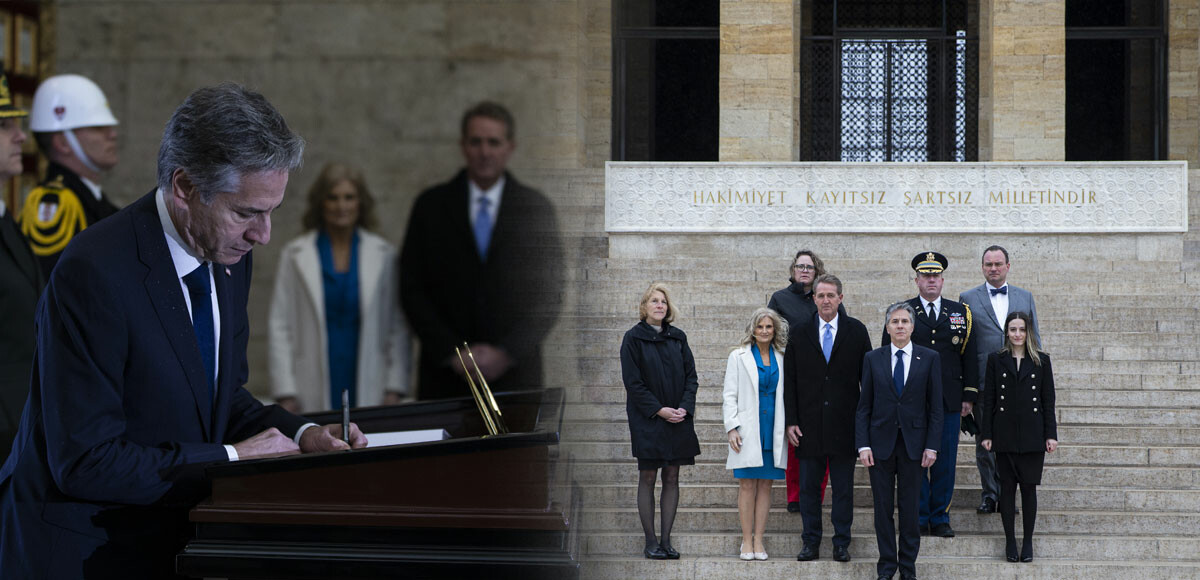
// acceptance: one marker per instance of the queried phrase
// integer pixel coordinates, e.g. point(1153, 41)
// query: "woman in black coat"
point(1018, 424)
point(660, 385)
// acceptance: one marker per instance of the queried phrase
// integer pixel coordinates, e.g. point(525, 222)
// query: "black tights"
point(669, 502)
point(1008, 507)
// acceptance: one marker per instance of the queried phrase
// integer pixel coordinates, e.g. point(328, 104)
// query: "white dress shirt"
point(908, 348)
point(937, 307)
point(999, 303)
point(833, 326)
point(185, 261)
point(493, 193)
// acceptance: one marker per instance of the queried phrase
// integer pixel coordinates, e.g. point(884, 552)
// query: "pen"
point(346, 416)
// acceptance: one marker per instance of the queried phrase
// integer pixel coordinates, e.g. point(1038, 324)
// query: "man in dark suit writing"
point(479, 256)
point(897, 429)
point(141, 356)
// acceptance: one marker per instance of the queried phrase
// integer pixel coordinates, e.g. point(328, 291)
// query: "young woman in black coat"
point(1018, 424)
point(660, 386)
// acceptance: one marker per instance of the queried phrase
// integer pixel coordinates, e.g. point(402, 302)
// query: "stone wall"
point(377, 83)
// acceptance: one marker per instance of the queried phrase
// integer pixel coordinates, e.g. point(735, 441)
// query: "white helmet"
point(66, 102)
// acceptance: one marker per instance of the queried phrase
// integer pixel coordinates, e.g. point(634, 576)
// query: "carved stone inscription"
point(1069, 197)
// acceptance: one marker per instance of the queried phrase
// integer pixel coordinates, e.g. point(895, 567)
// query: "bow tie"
point(1000, 290)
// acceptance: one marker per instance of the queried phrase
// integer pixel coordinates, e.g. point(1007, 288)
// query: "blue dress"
point(768, 381)
point(342, 320)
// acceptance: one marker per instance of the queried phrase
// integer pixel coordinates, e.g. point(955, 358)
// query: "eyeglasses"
point(804, 267)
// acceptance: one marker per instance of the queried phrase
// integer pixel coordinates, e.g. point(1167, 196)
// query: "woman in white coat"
point(335, 320)
point(754, 419)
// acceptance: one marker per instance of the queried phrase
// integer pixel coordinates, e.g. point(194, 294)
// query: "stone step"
point(1099, 456)
point(1049, 521)
point(618, 431)
point(1027, 272)
point(606, 371)
point(983, 568)
point(1141, 477)
point(730, 333)
point(1067, 392)
point(712, 412)
point(966, 498)
point(784, 546)
point(1097, 331)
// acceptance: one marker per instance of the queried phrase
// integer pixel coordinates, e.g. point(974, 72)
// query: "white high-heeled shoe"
point(760, 555)
point(746, 555)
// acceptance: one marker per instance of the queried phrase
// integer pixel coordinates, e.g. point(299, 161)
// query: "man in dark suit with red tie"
point(20, 282)
point(897, 429)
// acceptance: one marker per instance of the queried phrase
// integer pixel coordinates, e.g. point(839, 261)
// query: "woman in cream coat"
point(375, 366)
point(754, 419)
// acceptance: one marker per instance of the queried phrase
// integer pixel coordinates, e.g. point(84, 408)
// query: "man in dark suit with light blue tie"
point(897, 430)
point(991, 302)
point(138, 377)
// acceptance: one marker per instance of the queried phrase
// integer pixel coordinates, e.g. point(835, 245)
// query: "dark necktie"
point(200, 292)
point(898, 373)
point(1000, 290)
point(932, 312)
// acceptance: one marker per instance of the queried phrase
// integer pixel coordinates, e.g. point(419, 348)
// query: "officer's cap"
point(929, 263)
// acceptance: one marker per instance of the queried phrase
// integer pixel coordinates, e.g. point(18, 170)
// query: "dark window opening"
point(665, 80)
point(1116, 70)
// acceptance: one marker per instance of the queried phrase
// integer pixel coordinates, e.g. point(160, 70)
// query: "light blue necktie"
point(200, 291)
point(483, 227)
point(898, 374)
point(827, 341)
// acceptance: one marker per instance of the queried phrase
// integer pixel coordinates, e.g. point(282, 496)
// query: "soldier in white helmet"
point(76, 131)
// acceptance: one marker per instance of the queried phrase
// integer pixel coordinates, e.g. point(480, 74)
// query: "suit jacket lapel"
point(226, 374)
point(459, 207)
point(166, 294)
point(751, 365)
point(985, 298)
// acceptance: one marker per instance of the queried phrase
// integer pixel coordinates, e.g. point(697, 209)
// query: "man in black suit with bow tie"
point(897, 429)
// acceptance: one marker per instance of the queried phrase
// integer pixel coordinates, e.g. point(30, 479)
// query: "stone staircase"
point(1120, 498)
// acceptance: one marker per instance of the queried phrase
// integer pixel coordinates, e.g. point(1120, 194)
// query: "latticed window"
point(889, 80)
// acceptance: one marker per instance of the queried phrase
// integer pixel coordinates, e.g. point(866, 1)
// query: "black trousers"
point(896, 483)
point(841, 479)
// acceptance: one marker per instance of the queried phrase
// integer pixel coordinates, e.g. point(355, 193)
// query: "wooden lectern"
point(469, 506)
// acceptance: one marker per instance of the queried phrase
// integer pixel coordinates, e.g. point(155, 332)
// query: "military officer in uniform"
point(76, 131)
point(946, 327)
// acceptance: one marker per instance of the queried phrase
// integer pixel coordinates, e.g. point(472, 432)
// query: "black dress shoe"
point(884, 578)
point(793, 507)
point(924, 529)
point(841, 554)
point(1010, 549)
point(672, 554)
point(942, 531)
point(987, 507)
point(655, 553)
point(1027, 553)
point(808, 553)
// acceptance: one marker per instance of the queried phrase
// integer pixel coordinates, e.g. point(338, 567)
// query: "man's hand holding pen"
point(329, 438)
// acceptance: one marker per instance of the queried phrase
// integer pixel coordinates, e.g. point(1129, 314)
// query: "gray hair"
point(912, 314)
point(781, 328)
point(221, 133)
